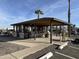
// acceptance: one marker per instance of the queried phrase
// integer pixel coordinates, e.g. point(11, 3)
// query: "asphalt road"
point(58, 56)
point(7, 48)
point(69, 52)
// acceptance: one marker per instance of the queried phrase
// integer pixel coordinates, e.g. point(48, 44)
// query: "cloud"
point(56, 8)
point(12, 11)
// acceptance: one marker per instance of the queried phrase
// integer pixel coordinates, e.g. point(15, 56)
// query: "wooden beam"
point(50, 32)
point(56, 30)
point(35, 32)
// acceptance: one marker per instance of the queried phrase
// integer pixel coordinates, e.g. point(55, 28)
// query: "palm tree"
point(69, 27)
point(38, 12)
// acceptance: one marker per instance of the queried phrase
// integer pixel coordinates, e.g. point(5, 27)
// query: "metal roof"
point(42, 21)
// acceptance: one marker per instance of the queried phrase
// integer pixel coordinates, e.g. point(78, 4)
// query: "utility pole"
point(69, 26)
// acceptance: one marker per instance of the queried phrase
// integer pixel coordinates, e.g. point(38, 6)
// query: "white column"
point(22, 32)
point(22, 28)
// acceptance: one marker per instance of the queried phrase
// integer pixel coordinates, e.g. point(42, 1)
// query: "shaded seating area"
point(42, 27)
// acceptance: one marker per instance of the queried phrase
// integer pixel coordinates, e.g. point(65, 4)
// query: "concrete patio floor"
point(39, 41)
point(31, 42)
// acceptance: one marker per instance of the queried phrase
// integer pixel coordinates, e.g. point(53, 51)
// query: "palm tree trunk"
point(38, 16)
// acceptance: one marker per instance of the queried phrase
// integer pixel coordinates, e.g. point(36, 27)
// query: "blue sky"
point(13, 11)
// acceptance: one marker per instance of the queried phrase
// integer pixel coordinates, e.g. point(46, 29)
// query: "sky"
point(14, 11)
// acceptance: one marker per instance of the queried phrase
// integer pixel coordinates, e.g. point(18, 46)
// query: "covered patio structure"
point(42, 25)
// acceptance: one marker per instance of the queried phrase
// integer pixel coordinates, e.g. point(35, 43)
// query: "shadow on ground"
point(5, 38)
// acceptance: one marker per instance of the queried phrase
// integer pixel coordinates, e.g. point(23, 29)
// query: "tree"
point(38, 12)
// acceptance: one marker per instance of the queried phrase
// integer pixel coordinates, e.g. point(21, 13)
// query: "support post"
point(14, 31)
point(24, 30)
point(22, 27)
point(60, 33)
point(56, 30)
point(14, 28)
point(35, 32)
point(50, 32)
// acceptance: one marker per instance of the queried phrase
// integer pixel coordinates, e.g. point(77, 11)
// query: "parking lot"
point(69, 52)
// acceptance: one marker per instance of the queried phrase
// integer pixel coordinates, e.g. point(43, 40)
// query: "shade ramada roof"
point(42, 22)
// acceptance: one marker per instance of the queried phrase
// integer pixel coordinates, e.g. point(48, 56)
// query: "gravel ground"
point(7, 48)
